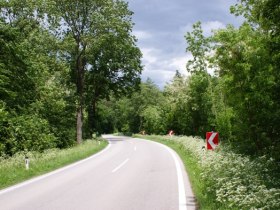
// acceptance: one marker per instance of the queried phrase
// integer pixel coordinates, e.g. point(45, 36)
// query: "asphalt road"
point(130, 174)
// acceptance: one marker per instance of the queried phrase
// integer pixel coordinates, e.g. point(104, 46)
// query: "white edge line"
point(181, 188)
point(9, 189)
point(181, 185)
point(121, 165)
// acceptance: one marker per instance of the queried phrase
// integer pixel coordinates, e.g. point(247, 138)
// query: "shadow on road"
point(191, 203)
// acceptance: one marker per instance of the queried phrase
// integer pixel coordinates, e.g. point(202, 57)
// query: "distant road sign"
point(212, 139)
point(171, 132)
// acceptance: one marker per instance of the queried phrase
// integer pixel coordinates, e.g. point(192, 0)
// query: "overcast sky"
point(160, 26)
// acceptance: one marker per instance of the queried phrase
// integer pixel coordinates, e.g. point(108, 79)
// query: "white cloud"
point(161, 62)
point(207, 27)
point(160, 77)
point(141, 35)
point(179, 63)
point(160, 67)
point(160, 26)
point(150, 55)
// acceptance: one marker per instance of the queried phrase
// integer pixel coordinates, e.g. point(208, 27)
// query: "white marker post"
point(27, 163)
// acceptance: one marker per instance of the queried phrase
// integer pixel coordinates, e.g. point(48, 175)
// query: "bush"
point(25, 133)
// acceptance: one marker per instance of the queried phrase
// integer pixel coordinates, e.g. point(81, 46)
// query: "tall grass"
point(222, 179)
point(12, 170)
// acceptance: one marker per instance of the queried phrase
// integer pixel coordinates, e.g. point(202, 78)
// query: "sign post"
point(27, 163)
point(171, 133)
point(212, 139)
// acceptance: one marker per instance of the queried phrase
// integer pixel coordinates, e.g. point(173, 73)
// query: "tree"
point(176, 95)
point(16, 88)
point(199, 46)
point(153, 122)
point(130, 113)
point(85, 26)
point(32, 86)
point(115, 64)
point(248, 59)
point(200, 81)
point(245, 66)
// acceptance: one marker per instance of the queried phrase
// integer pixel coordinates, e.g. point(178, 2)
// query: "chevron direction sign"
point(212, 139)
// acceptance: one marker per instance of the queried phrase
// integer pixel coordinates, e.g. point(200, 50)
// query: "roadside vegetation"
point(12, 169)
point(225, 180)
point(52, 96)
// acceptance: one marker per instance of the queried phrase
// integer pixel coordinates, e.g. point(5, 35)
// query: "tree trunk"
point(80, 64)
point(94, 127)
point(79, 124)
point(92, 118)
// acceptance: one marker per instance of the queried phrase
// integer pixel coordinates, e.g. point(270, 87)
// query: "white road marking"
point(135, 148)
point(9, 189)
point(181, 185)
point(210, 140)
point(121, 165)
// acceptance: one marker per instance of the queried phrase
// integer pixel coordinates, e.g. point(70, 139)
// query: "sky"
point(160, 27)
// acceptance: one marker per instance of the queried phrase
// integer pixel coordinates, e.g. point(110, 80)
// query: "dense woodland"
point(58, 59)
point(69, 69)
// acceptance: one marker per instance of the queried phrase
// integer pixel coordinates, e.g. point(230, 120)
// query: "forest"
point(57, 60)
point(69, 69)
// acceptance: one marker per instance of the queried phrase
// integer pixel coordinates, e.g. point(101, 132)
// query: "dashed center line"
point(135, 148)
point(121, 165)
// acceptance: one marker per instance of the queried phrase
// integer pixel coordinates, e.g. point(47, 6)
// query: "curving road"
point(130, 174)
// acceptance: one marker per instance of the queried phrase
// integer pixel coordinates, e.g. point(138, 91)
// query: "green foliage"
point(152, 120)
point(189, 104)
point(259, 62)
point(242, 101)
point(100, 49)
point(249, 86)
point(24, 133)
point(175, 108)
point(199, 46)
point(16, 86)
point(29, 133)
point(133, 113)
point(92, 53)
point(223, 115)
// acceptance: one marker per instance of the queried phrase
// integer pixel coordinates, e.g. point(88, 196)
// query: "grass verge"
point(12, 170)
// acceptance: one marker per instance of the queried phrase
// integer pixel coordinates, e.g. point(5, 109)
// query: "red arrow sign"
point(212, 139)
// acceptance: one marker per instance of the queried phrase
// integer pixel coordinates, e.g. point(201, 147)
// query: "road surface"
point(130, 174)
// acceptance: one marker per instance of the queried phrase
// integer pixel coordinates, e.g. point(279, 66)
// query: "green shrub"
point(25, 133)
